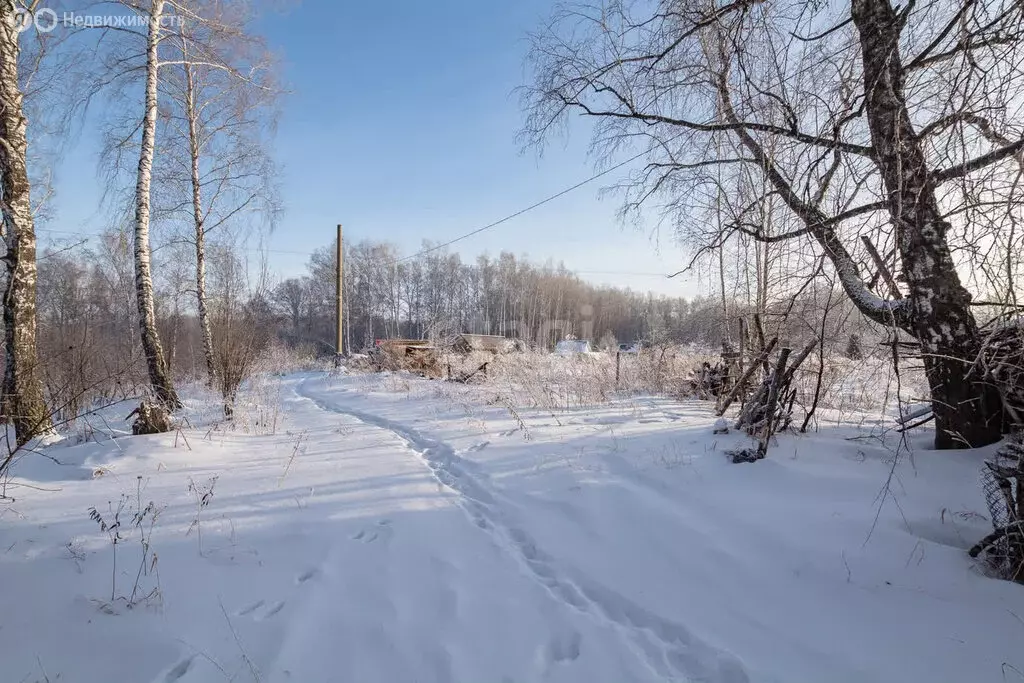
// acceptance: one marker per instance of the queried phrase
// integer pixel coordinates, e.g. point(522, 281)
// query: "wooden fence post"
point(773, 399)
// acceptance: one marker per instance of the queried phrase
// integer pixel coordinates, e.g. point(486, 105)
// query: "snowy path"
point(428, 596)
point(414, 534)
point(669, 650)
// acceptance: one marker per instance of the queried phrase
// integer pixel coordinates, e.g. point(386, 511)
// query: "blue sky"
point(400, 124)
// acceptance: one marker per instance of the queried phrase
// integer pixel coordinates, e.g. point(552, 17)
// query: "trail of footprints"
point(257, 612)
point(669, 648)
point(260, 610)
point(381, 530)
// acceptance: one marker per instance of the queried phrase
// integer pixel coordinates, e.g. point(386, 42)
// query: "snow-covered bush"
point(545, 380)
point(868, 387)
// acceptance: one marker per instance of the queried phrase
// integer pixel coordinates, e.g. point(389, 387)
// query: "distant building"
point(570, 347)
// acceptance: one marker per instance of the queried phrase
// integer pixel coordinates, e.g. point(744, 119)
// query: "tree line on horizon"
point(87, 311)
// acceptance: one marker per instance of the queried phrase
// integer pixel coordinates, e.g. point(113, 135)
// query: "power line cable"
point(542, 202)
point(477, 231)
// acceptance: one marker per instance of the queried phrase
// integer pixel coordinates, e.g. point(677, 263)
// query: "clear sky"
point(400, 124)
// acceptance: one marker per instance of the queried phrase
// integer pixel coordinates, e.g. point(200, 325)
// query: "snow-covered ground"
point(425, 535)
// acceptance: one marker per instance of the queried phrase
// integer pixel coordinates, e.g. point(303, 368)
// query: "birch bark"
point(156, 363)
point(23, 399)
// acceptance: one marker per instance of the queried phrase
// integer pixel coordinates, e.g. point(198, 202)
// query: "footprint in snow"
point(246, 611)
point(561, 649)
point(479, 447)
point(566, 648)
point(381, 529)
point(271, 611)
point(179, 670)
point(307, 575)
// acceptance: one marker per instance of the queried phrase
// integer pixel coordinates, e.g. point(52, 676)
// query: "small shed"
point(414, 355)
point(492, 343)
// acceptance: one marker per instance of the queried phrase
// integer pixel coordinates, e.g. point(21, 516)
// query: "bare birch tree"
point(23, 398)
point(194, 52)
point(224, 100)
point(159, 372)
point(861, 119)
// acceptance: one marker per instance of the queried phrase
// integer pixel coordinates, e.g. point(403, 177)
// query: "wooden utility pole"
point(338, 337)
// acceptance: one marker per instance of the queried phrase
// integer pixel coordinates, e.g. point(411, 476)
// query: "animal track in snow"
point(479, 447)
point(271, 611)
point(307, 575)
point(565, 648)
point(381, 530)
point(179, 670)
point(246, 611)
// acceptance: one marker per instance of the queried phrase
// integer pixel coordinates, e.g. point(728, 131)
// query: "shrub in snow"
point(202, 495)
point(131, 520)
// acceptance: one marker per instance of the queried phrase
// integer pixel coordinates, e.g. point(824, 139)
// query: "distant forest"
point(389, 295)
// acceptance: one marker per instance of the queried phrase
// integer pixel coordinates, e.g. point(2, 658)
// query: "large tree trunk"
point(198, 216)
point(968, 413)
point(22, 389)
point(159, 376)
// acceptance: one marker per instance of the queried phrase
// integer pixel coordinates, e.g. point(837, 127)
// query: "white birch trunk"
point(23, 400)
point(159, 376)
point(198, 215)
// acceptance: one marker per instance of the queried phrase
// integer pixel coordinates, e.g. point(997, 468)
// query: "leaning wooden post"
point(800, 358)
point(618, 363)
point(773, 399)
point(737, 388)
